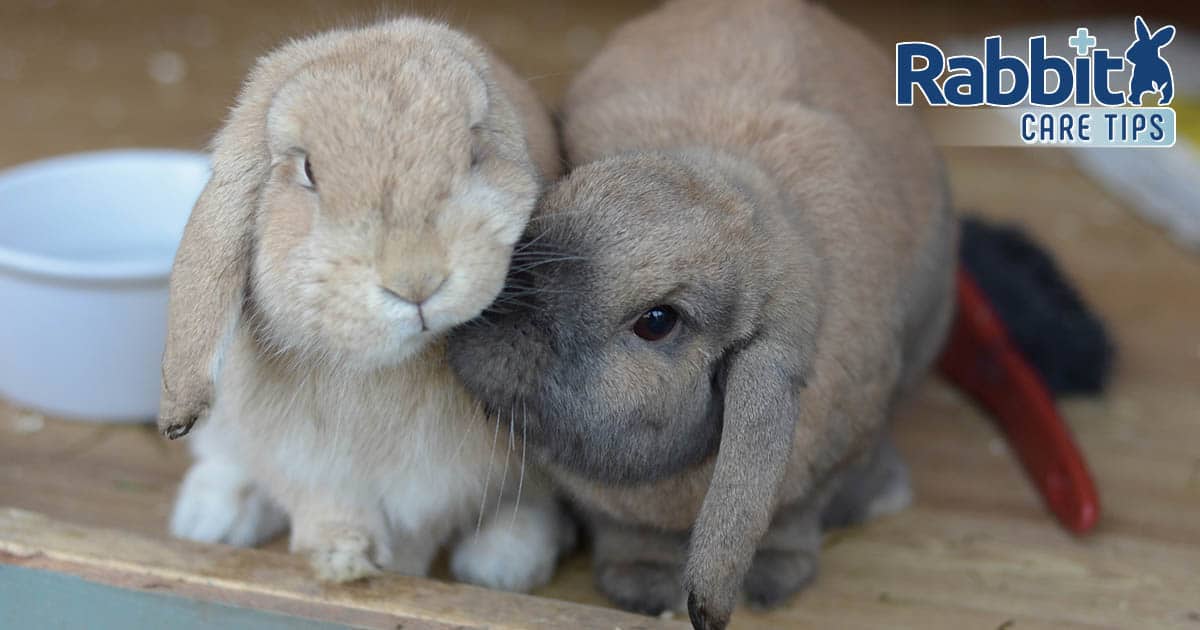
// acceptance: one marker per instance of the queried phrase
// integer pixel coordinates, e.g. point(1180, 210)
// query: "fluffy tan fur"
point(367, 191)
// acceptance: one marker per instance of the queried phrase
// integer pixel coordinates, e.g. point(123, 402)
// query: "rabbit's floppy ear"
point(1143, 33)
point(207, 286)
point(212, 265)
point(763, 387)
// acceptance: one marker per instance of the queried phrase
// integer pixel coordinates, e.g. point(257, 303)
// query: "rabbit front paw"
point(645, 587)
point(344, 556)
point(776, 575)
point(217, 504)
point(513, 554)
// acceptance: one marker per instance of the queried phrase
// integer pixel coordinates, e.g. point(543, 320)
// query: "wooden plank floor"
point(976, 551)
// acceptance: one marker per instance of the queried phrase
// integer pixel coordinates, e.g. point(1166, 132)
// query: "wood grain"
point(280, 582)
point(977, 550)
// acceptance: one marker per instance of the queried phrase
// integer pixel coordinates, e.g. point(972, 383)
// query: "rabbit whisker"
point(507, 456)
point(467, 433)
point(529, 243)
point(538, 77)
point(488, 480)
point(521, 481)
point(527, 252)
point(560, 213)
point(547, 261)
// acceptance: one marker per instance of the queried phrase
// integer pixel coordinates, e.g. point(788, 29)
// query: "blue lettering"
point(1139, 125)
point(997, 65)
point(908, 76)
point(1039, 65)
point(1102, 66)
point(1047, 128)
point(1065, 122)
point(1027, 122)
point(965, 87)
point(1083, 77)
point(1156, 133)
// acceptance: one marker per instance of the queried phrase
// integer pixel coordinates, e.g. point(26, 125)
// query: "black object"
point(1065, 342)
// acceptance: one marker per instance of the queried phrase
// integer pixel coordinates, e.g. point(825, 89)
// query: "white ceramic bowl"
point(86, 245)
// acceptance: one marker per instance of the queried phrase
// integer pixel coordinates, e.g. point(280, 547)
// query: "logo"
point(1151, 73)
point(1062, 101)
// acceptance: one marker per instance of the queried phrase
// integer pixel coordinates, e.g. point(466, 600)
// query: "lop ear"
point(1142, 31)
point(212, 265)
point(208, 283)
point(763, 388)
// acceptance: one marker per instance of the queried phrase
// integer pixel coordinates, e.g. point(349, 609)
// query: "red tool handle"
point(982, 361)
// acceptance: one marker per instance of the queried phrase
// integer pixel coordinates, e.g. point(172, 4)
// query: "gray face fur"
point(557, 351)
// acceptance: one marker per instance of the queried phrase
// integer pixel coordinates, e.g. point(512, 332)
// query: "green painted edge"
point(44, 600)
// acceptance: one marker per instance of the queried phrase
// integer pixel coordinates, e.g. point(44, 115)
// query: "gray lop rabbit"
point(750, 266)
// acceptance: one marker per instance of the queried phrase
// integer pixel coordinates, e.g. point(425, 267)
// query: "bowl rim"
point(62, 269)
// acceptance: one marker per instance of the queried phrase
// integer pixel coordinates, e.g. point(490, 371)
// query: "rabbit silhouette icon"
point(1151, 73)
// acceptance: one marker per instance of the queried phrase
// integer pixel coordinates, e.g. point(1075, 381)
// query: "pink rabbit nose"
point(417, 291)
point(412, 268)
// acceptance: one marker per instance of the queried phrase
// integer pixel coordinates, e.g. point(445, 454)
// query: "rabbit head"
point(641, 281)
point(366, 194)
point(389, 211)
point(1145, 49)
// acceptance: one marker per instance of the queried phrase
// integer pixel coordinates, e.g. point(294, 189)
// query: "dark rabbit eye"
point(308, 174)
point(656, 323)
point(476, 149)
point(476, 154)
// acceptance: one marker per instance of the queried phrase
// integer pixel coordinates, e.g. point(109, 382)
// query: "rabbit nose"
point(416, 290)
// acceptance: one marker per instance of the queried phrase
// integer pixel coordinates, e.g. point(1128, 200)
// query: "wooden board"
point(280, 582)
point(976, 551)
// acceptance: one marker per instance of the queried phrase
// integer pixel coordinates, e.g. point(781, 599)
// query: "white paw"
point(511, 554)
point(344, 557)
point(217, 504)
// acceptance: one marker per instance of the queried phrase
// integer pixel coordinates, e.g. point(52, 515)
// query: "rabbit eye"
point(477, 149)
point(477, 154)
point(309, 180)
point(656, 323)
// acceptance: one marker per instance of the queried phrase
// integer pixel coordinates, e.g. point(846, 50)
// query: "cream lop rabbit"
point(750, 265)
point(367, 191)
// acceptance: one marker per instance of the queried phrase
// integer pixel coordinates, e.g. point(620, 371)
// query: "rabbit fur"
point(367, 191)
point(744, 164)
